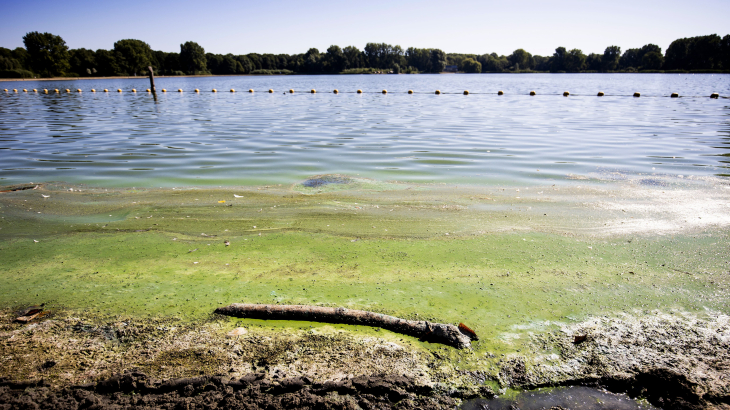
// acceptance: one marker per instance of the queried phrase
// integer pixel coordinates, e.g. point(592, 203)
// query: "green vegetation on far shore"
point(47, 55)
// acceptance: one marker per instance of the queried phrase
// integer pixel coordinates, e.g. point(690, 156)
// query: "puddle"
point(569, 398)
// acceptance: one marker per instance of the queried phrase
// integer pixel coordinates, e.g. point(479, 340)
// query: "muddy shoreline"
point(64, 361)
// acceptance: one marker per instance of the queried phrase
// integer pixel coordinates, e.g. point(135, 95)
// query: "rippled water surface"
point(242, 138)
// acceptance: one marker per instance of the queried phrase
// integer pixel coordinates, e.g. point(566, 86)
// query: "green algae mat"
point(507, 262)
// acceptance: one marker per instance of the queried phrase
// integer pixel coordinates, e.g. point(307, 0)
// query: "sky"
point(291, 27)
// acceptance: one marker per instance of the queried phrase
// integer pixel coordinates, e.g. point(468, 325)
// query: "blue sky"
point(473, 26)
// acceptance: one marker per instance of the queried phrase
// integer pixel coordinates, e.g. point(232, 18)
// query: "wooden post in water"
point(152, 80)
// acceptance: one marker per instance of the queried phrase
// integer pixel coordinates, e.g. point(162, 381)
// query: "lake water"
point(224, 138)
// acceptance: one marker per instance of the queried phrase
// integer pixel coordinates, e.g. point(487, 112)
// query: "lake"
point(239, 139)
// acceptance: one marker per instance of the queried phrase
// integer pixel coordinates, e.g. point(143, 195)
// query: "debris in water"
point(237, 196)
point(222, 202)
point(28, 314)
point(227, 243)
point(45, 196)
point(577, 339)
point(467, 331)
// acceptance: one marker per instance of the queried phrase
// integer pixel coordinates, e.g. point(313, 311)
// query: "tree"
point(48, 53)
point(106, 63)
point(82, 61)
point(652, 60)
point(134, 56)
point(725, 52)
point(522, 58)
point(558, 60)
point(594, 62)
point(574, 61)
point(354, 57)
point(611, 57)
point(192, 58)
point(336, 59)
point(470, 65)
point(312, 61)
point(438, 60)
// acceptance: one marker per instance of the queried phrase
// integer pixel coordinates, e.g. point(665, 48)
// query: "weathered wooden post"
point(152, 79)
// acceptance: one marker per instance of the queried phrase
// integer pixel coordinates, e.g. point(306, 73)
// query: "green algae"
point(505, 267)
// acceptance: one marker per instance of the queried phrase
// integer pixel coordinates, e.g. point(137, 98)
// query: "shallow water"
point(573, 398)
point(183, 139)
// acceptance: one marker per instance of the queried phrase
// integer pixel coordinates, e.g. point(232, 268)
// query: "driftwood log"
point(433, 332)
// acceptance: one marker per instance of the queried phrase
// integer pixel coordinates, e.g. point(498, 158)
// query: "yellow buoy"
point(56, 90)
point(714, 95)
point(359, 91)
point(68, 91)
point(314, 91)
point(385, 91)
point(533, 93)
point(15, 90)
point(466, 92)
point(600, 94)
point(149, 91)
point(270, 91)
point(438, 92)
point(197, 91)
point(674, 95)
point(335, 91)
point(566, 93)
point(637, 94)
point(35, 90)
point(214, 90)
point(291, 91)
point(134, 90)
point(179, 90)
point(93, 90)
point(232, 90)
point(119, 90)
point(250, 90)
point(24, 90)
point(500, 92)
point(106, 91)
point(45, 90)
point(78, 90)
point(164, 90)
point(410, 91)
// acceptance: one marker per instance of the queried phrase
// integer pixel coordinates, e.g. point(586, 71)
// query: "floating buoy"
point(385, 91)
point(500, 92)
point(35, 90)
point(566, 93)
point(197, 90)
point(78, 90)
point(67, 90)
point(24, 90)
point(179, 90)
point(637, 94)
point(270, 91)
point(335, 91)
point(532, 93)
point(250, 90)
point(438, 92)
point(149, 91)
point(93, 90)
point(674, 95)
point(410, 91)
point(106, 91)
point(714, 95)
point(45, 91)
point(56, 90)
point(134, 90)
point(214, 90)
point(164, 90)
point(119, 90)
point(15, 90)
point(359, 91)
point(232, 90)
point(314, 91)
point(466, 92)
point(600, 94)
point(291, 91)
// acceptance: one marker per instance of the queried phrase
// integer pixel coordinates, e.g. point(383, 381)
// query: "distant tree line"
point(47, 55)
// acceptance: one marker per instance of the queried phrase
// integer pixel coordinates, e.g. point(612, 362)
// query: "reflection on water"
point(572, 398)
point(224, 138)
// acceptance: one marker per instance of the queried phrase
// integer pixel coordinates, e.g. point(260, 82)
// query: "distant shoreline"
point(279, 75)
